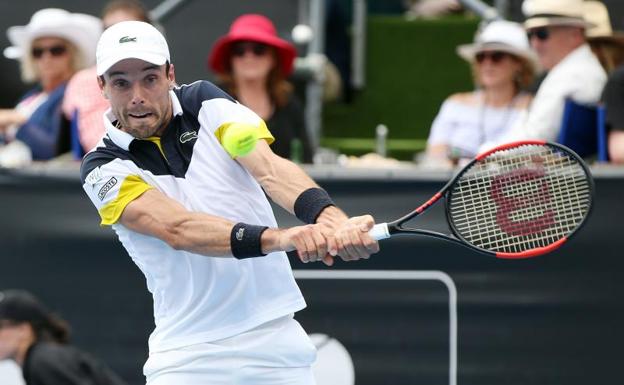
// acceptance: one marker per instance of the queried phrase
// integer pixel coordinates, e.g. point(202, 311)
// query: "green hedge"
point(411, 67)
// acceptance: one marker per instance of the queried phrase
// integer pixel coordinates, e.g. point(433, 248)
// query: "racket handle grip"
point(379, 231)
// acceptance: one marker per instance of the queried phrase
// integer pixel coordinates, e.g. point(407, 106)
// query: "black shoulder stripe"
point(92, 161)
point(192, 95)
point(101, 155)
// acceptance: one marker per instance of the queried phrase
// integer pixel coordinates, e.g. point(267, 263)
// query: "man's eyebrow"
point(151, 67)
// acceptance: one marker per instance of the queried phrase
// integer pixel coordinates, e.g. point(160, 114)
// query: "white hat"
point(597, 13)
point(542, 13)
point(131, 40)
point(500, 35)
point(78, 28)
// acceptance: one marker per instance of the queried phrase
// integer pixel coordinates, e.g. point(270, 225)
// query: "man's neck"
point(165, 123)
point(568, 52)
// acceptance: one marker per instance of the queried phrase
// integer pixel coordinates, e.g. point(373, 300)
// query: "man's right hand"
point(308, 240)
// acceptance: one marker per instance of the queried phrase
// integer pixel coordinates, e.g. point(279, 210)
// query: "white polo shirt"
point(196, 298)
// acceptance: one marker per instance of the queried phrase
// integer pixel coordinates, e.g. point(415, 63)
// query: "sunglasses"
point(539, 33)
point(258, 49)
point(55, 50)
point(494, 56)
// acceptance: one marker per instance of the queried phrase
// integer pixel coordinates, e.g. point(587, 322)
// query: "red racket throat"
point(520, 200)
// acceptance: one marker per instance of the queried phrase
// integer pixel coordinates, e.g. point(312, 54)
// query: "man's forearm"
point(284, 182)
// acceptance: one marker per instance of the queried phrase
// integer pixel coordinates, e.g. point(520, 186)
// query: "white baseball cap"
point(131, 40)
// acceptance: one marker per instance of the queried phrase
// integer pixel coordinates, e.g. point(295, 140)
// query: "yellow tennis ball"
point(240, 139)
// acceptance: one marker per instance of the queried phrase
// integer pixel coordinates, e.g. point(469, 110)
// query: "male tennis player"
point(198, 224)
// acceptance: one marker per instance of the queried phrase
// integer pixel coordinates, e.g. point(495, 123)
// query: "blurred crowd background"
point(377, 82)
point(413, 84)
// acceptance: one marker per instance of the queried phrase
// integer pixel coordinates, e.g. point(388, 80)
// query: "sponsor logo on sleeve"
point(107, 187)
point(94, 176)
point(240, 233)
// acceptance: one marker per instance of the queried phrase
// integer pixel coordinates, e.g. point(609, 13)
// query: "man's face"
point(138, 93)
point(552, 44)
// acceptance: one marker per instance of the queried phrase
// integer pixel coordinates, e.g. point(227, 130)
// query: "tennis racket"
point(519, 200)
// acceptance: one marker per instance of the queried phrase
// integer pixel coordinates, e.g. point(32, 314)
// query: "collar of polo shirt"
point(122, 138)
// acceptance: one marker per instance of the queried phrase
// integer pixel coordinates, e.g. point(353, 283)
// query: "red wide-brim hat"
point(255, 28)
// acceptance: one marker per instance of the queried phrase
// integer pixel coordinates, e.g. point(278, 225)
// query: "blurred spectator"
point(37, 340)
point(556, 30)
point(83, 97)
point(252, 63)
point(51, 48)
point(432, 8)
point(609, 47)
point(503, 65)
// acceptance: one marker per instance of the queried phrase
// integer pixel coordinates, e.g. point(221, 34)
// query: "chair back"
point(579, 128)
point(74, 137)
point(603, 148)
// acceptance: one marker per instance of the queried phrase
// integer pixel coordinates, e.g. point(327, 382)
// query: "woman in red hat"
point(252, 64)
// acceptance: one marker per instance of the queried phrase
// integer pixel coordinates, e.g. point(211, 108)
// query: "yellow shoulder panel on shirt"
point(263, 131)
point(131, 188)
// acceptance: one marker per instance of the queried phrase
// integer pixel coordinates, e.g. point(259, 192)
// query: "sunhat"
point(596, 13)
point(500, 35)
point(131, 40)
point(78, 28)
point(251, 27)
point(543, 13)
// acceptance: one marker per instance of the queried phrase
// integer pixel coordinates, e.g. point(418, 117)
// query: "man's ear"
point(100, 80)
point(171, 76)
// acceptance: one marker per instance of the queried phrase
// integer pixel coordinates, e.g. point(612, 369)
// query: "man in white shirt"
point(556, 30)
point(196, 220)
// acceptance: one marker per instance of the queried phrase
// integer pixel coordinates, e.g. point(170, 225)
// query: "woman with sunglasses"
point(37, 341)
point(252, 64)
point(51, 48)
point(503, 66)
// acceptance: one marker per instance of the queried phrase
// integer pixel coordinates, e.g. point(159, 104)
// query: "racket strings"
point(520, 199)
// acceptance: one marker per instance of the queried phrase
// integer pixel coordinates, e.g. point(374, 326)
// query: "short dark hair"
point(20, 306)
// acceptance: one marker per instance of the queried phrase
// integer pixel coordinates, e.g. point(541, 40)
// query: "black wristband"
point(310, 203)
point(245, 241)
